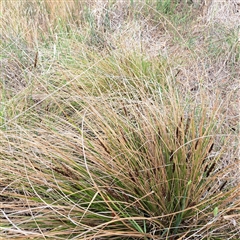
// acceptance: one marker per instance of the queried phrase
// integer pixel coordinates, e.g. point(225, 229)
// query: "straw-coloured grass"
point(113, 125)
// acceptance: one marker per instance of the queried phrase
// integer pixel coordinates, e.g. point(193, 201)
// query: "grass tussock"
point(118, 120)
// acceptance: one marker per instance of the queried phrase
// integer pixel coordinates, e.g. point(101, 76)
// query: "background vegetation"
point(119, 119)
